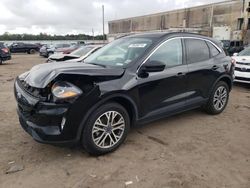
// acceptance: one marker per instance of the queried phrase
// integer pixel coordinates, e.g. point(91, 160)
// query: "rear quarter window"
point(197, 50)
point(213, 50)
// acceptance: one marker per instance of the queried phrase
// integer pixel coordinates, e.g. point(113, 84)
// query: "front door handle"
point(215, 67)
point(180, 74)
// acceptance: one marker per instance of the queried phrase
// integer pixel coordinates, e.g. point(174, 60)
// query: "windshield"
point(120, 52)
point(82, 51)
point(245, 52)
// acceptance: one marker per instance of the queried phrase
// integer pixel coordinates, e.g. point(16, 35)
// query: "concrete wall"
point(201, 19)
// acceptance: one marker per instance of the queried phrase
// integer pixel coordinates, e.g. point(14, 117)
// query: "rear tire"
point(1, 61)
point(106, 129)
point(32, 51)
point(218, 99)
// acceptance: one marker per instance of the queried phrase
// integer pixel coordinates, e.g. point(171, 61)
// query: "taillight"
point(233, 61)
point(6, 50)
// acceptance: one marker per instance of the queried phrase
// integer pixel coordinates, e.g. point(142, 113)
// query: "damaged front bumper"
point(44, 121)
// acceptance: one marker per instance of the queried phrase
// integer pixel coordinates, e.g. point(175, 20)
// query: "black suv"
point(4, 53)
point(23, 48)
point(133, 80)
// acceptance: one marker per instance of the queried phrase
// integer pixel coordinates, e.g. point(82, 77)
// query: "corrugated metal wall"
point(201, 18)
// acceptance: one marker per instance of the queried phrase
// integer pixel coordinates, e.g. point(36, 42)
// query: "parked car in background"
point(76, 56)
point(234, 46)
point(39, 45)
point(66, 50)
point(4, 53)
point(144, 78)
point(48, 50)
point(242, 69)
point(20, 47)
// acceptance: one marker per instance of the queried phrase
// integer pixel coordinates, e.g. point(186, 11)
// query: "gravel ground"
point(188, 150)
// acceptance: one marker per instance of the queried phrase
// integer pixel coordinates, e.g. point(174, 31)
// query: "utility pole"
point(103, 34)
point(211, 21)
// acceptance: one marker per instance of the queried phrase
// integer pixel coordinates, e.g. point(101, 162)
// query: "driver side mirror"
point(151, 66)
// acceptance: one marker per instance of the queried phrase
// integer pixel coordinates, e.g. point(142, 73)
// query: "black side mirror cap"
point(153, 66)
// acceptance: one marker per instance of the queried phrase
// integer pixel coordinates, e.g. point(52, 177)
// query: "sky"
point(77, 16)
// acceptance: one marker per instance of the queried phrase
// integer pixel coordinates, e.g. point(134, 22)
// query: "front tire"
point(106, 129)
point(218, 99)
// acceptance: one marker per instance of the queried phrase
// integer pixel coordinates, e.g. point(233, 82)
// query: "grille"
point(34, 92)
point(241, 78)
point(242, 69)
point(242, 63)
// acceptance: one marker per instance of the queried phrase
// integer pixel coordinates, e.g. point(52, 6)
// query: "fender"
point(102, 101)
point(219, 79)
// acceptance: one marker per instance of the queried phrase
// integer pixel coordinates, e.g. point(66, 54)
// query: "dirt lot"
point(189, 150)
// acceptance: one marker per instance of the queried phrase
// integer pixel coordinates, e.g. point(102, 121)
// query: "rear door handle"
point(215, 67)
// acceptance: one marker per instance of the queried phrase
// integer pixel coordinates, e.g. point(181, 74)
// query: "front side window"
point(120, 52)
point(197, 50)
point(170, 53)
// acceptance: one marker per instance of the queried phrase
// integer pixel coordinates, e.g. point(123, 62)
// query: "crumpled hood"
point(41, 75)
point(61, 56)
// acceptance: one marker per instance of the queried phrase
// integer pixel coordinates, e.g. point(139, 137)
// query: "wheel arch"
point(228, 81)
point(127, 102)
point(225, 78)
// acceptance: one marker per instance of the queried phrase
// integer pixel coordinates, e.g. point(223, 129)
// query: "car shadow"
point(242, 85)
point(62, 151)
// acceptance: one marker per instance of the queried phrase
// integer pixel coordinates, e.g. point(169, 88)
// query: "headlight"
point(65, 90)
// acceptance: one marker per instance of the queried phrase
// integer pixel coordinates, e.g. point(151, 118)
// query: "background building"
point(229, 20)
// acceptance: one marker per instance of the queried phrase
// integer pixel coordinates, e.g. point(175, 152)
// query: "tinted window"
point(197, 50)
point(170, 53)
point(213, 50)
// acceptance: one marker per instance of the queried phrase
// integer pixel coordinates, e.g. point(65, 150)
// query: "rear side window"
point(197, 50)
point(213, 50)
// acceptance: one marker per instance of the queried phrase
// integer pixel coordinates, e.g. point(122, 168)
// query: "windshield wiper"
point(98, 64)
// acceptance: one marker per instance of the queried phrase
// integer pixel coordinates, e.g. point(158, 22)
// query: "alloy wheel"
point(108, 129)
point(220, 98)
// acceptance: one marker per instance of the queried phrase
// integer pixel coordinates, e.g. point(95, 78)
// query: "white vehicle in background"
point(76, 56)
point(242, 68)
